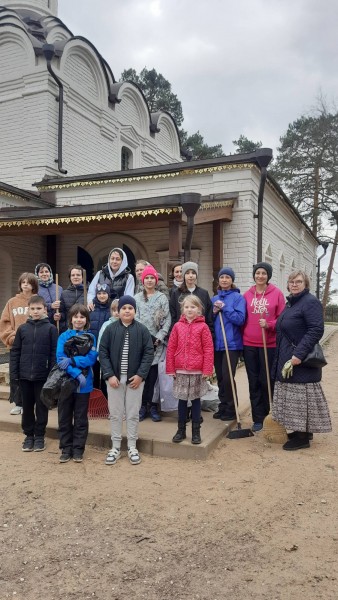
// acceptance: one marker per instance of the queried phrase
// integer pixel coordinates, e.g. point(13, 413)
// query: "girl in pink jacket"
point(190, 360)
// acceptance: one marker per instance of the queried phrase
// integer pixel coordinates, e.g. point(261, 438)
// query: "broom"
point(239, 432)
point(273, 431)
point(57, 298)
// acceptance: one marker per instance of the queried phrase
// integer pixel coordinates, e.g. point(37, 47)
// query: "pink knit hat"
point(149, 271)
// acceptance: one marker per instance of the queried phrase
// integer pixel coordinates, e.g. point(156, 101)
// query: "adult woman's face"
point(225, 282)
point(44, 273)
point(296, 285)
point(261, 277)
point(115, 261)
point(139, 268)
point(76, 277)
point(178, 273)
point(190, 278)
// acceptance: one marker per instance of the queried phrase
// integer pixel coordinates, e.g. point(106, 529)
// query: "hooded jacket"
point(81, 362)
point(190, 347)
point(33, 352)
point(268, 305)
point(14, 314)
point(233, 315)
point(121, 283)
point(99, 316)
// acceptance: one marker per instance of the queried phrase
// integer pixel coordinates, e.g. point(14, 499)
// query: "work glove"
point(64, 363)
point(218, 305)
point(287, 370)
point(82, 381)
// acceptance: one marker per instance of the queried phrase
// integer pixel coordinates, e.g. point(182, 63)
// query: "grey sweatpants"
point(124, 400)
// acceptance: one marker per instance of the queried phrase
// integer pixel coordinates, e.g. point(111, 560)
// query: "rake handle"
point(230, 371)
point(267, 368)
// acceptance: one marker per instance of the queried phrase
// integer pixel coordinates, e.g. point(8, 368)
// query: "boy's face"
point(127, 314)
point(37, 311)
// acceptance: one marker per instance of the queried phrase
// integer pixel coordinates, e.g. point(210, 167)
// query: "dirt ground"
point(252, 521)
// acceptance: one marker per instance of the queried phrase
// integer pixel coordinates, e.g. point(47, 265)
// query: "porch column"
point(217, 248)
point(175, 241)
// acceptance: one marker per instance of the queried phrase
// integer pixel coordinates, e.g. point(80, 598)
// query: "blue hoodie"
point(82, 362)
point(233, 314)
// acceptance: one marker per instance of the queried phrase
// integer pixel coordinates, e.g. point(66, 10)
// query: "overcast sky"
point(238, 66)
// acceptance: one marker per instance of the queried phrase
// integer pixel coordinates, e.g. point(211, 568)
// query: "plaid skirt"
point(301, 407)
point(188, 387)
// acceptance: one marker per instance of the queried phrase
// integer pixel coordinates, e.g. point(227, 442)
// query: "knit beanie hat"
point(263, 265)
point(227, 271)
point(149, 271)
point(189, 265)
point(126, 300)
point(102, 287)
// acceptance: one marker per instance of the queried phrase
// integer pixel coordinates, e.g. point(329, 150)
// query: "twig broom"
point(273, 431)
point(239, 432)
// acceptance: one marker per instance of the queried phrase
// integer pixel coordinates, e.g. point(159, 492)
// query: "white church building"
point(85, 166)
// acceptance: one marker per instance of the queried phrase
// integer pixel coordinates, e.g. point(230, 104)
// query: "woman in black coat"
point(299, 402)
point(189, 286)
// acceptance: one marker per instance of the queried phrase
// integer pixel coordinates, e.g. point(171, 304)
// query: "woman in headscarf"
point(47, 289)
point(116, 274)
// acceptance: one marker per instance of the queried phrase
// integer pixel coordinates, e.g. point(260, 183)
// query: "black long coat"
point(177, 296)
point(299, 328)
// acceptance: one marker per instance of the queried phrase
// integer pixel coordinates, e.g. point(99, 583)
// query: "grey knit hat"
point(189, 265)
point(263, 265)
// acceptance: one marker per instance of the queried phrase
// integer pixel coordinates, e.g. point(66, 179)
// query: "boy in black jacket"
point(32, 357)
point(126, 354)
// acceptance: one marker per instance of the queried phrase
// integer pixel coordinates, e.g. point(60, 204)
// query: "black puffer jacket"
point(34, 350)
point(299, 328)
point(176, 298)
point(73, 294)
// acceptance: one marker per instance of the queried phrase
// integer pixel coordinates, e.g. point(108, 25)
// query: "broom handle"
point(56, 298)
point(85, 287)
point(229, 367)
point(267, 367)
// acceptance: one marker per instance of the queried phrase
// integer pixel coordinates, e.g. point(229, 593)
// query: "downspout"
point(49, 51)
point(190, 203)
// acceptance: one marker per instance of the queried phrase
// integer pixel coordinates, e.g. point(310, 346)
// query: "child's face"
point(26, 287)
point(127, 314)
point(149, 282)
point(190, 310)
point(79, 322)
point(102, 297)
point(37, 311)
point(190, 278)
point(114, 312)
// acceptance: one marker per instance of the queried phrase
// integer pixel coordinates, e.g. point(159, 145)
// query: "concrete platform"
point(154, 438)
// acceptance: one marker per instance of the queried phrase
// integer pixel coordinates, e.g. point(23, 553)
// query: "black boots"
point(196, 436)
point(299, 440)
point(180, 434)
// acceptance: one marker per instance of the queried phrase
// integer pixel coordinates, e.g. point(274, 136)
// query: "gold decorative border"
point(216, 204)
point(16, 196)
point(90, 218)
point(137, 178)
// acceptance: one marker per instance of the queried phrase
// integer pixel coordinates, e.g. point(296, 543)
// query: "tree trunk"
point(330, 269)
point(316, 202)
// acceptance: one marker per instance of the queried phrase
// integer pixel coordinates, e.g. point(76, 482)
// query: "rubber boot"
point(196, 436)
point(180, 434)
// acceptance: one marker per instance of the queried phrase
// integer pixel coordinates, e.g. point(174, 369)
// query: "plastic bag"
point(210, 400)
point(79, 345)
point(168, 402)
point(58, 386)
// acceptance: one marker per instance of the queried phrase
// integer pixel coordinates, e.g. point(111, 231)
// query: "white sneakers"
point(16, 410)
point(114, 455)
point(134, 456)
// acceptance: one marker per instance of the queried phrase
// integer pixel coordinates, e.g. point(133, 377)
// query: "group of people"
point(133, 327)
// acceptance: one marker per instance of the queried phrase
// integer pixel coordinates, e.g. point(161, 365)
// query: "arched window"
point(126, 159)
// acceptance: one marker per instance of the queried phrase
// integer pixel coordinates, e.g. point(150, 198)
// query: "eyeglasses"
point(296, 282)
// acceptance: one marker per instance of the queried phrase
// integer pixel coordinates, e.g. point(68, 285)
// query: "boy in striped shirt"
point(126, 355)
